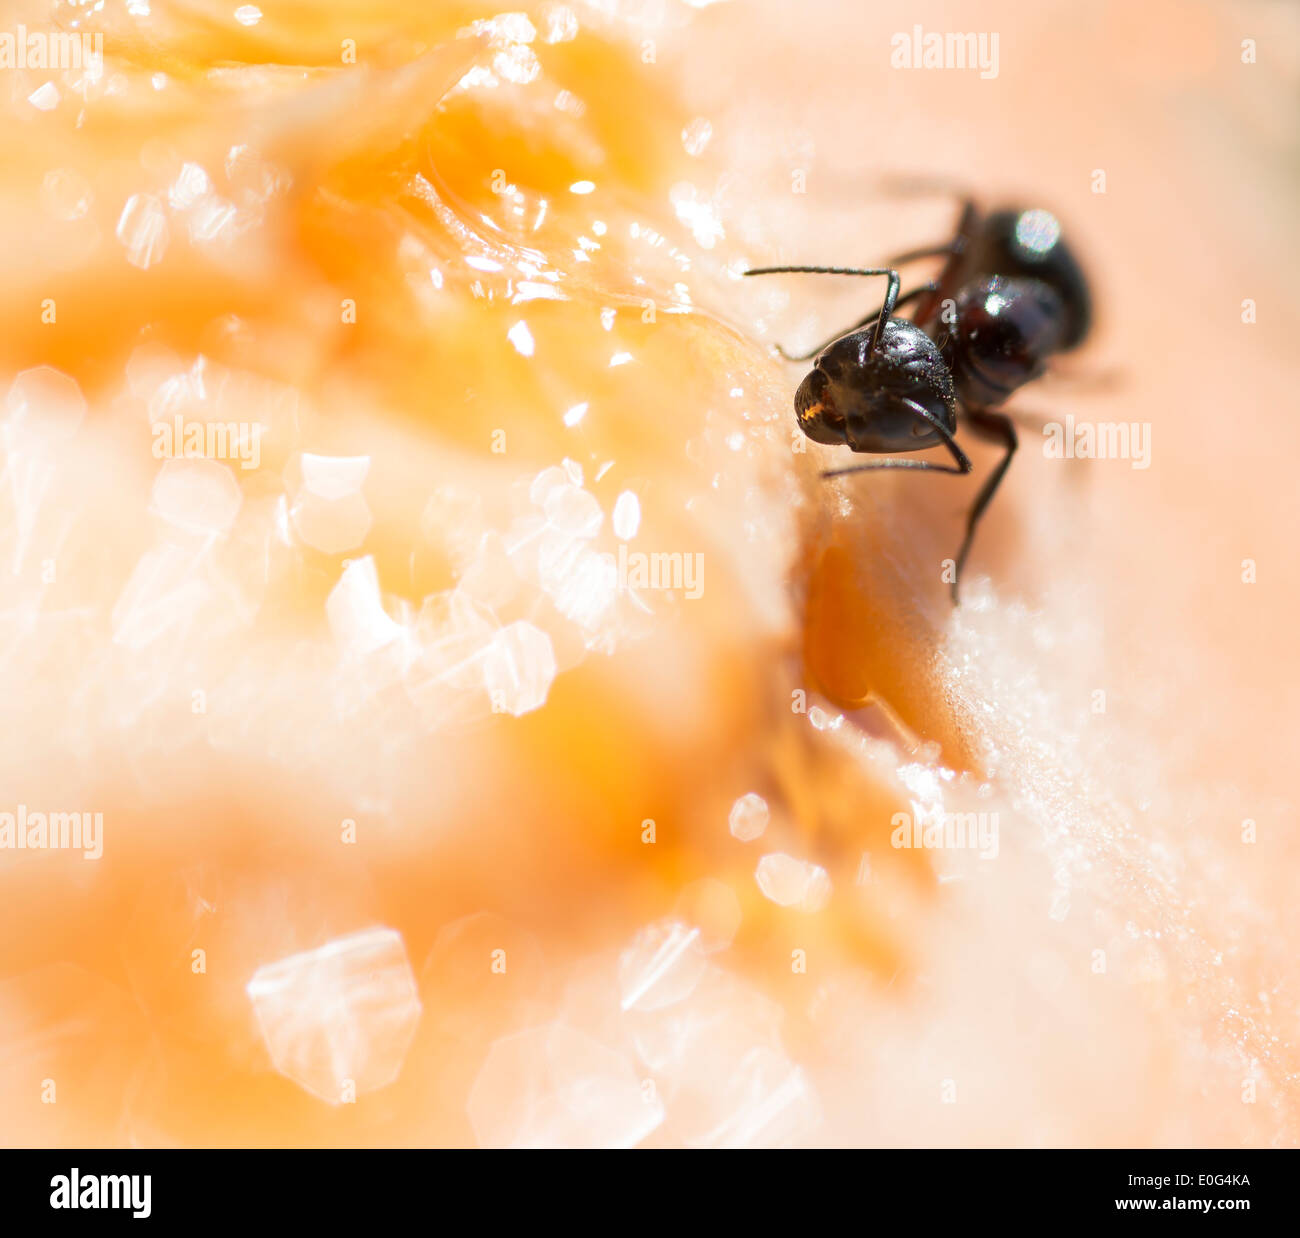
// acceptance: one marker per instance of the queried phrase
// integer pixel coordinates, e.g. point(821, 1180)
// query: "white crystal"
point(586, 590)
point(771, 1105)
point(148, 368)
point(44, 98)
point(522, 338)
point(547, 480)
point(338, 1020)
point(197, 496)
point(697, 212)
point(329, 511)
point(445, 682)
point(490, 577)
point(164, 592)
point(211, 219)
point(555, 555)
point(661, 966)
point(356, 614)
point(142, 229)
point(44, 408)
point(190, 185)
point(453, 616)
point(557, 1087)
point(331, 526)
point(726, 1079)
point(748, 818)
point(561, 24)
point(574, 511)
point(182, 393)
point(333, 477)
point(67, 194)
point(453, 521)
point(506, 28)
point(627, 516)
point(518, 668)
point(694, 1044)
point(793, 883)
point(696, 136)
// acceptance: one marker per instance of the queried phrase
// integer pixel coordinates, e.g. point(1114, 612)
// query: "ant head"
point(1005, 331)
point(866, 396)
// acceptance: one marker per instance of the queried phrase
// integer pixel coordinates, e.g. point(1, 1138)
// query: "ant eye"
point(815, 411)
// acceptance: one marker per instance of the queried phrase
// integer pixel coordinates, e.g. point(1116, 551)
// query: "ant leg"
point(808, 356)
point(966, 222)
point(926, 251)
point(891, 294)
point(935, 187)
point(929, 187)
point(1029, 419)
point(1033, 420)
point(950, 276)
point(923, 186)
point(997, 428)
point(921, 414)
point(903, 300)
point(1038, 425)
point(917, 293)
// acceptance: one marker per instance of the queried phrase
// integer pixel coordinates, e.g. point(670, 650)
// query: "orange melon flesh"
point(468, 275)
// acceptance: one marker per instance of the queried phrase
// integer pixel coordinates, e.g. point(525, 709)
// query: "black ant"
point(1010, 295)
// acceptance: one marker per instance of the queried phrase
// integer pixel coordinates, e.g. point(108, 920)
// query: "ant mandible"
point(1017, 295)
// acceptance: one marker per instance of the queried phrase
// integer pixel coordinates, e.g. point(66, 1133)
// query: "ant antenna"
point(891, 296)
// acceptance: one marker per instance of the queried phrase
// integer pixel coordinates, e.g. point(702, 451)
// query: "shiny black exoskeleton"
point(1009, 297)
point(1019, 245)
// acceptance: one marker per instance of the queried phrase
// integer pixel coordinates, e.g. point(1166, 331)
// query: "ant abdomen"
point(1029, 244)
point(1005, 331)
